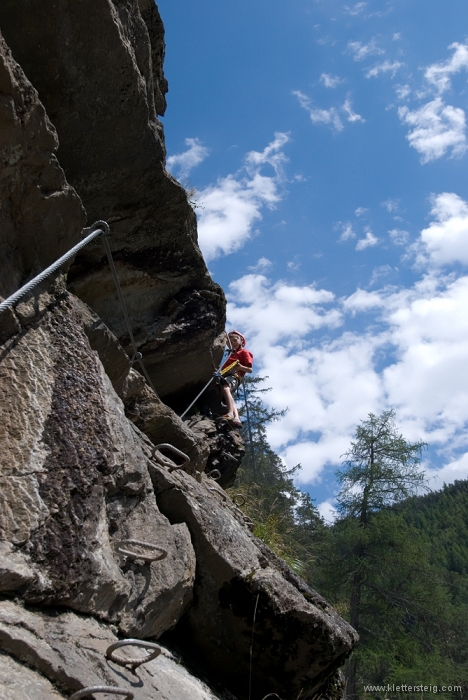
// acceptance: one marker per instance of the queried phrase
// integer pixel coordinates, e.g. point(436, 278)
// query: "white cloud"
point(360, 211)
point(357, 9)
point(409, 354)
point(402, 91)
point(385, 67)
point(362, 300)
point(438, 74)
point(367, 242)
point(328, 511)
point(399, 236)
point(182, 163)
point(347, 231)
point(445, 241)
point(436, 128)
point(234, 204)
point(262, 265)
point(391, 205)
point(330, 117)
point(330, 81)
point(319, 116)
point(363, 51)
point(352, 116)
point(451, 472)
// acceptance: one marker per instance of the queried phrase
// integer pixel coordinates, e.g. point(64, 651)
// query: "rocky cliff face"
point(102, 535)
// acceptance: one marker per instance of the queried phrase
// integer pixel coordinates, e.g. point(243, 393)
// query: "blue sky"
point(327, 145)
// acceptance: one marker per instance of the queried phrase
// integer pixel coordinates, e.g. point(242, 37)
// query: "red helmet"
point(240, 336)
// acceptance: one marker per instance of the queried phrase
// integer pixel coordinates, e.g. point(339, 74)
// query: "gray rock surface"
point(41, 216)
point(66, 652)
point(298, 639)
point(97, 80)
point(74, 478)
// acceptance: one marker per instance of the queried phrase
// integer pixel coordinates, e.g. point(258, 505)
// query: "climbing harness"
point(148, 558)
point(216, 375)
point(99, 228)
point(102, 689)
point(170, 464)
point(133, 663)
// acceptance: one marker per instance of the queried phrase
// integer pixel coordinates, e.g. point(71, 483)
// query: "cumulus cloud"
point(367, 242)
point(182, 163)
point(409, 354)
point(233, 205)
point(439, 74)
point(330, 81)
point(445, 241)
point(362, 51)
point(331, 116)
point(360, 211)
point(435, 129)
point(385, 67)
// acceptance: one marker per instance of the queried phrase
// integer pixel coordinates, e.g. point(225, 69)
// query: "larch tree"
point(380, 469)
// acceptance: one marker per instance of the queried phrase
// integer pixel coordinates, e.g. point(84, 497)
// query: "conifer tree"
point(380, 469)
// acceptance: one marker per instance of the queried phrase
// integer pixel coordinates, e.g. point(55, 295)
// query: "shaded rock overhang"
point(98, 68)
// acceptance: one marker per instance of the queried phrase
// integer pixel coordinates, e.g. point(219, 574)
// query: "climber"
point(236, 366)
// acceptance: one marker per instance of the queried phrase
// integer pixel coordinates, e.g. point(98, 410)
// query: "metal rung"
point(102, 689)
point(170, 448)
point(136, 555)
point(215, 474)
point(238, 497)
point(220, 493)
point(249, 523)
point(133, 663)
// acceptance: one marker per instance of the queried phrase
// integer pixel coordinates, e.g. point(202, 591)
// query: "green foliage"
point(284, 517)
point(381, 468)
point(396, 563)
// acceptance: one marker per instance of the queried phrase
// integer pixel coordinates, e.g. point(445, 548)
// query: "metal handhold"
point(220, 493)
point(162, 553)
point(249, 523)
point(133, 663)
point(238, 497)
point(271, 695)
point(170, 448)
point(102, 689)
point(215, 474)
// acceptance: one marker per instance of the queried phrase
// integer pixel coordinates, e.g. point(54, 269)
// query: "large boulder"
point(74, 481)
point(253, 622)
point(97, 65)
point(48, 656)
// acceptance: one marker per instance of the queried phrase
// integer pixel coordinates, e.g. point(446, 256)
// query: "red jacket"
point(244, 357)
